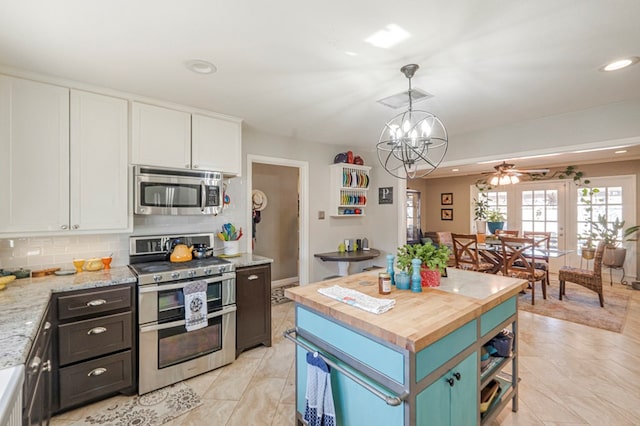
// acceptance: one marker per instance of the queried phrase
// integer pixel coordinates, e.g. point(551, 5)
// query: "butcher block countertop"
point(417, 319)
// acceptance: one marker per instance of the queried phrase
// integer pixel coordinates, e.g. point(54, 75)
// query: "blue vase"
point(416, 279)
point(403, 280)
point(494, 226)
point(390, 269)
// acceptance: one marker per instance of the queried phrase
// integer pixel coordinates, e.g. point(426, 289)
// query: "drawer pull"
point(252, 277)
point(35, 364)
point(96, 330)
point(47, 366)
point(47, 325)
point(96, 302)
point(97, 372)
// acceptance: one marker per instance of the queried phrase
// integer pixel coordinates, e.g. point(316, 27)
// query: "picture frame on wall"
point(446, 198)
point(446, 214)
point(385, 195)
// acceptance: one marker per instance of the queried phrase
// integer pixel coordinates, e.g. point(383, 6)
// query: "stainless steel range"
point(168, 353)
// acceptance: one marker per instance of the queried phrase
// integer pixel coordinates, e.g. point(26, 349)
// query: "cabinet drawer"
point(92, 379)
point(93, 302)
point(90, 338)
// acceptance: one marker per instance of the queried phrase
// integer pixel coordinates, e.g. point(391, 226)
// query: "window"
point(498, 201)
point(595, 202)
point(540, 212)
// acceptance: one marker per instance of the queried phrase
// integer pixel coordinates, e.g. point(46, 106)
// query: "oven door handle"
point(224, 311)
point(162, 287)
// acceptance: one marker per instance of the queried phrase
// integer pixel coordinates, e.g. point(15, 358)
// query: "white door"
point(216, 145)
point(99, 188)
point(34, 165)
point(540, 206)
point(160, 136)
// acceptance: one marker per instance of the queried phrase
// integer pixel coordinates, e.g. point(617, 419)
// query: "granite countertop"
point(418, 319)
point(23, 304)
point(245, 260)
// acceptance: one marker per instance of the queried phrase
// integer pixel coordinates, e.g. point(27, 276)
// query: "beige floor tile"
point(210, 413)
point(285, 415)
point(289, 391)
point(200, 384)
point(233, 380)
point(277, 362)
point(258, 404)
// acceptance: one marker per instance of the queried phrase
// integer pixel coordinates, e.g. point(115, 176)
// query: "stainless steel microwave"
point(161, 191)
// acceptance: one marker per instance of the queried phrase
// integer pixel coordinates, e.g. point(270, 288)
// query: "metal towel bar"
point(390, 400)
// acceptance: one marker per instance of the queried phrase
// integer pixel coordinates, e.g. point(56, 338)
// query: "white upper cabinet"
point(99, 166)
point(160, 136)
point(166, 137)
point(216, 144)
point(34, 165)
point(64, 163)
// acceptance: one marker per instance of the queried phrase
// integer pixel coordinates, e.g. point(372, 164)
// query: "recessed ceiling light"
point(620, 63)
point(201, 67)
point(351, 53)
point(388, 37)
point(622, 151)
point(455, 170)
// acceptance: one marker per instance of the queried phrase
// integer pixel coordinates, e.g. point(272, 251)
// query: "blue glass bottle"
point(416, 279)
point(390, 269)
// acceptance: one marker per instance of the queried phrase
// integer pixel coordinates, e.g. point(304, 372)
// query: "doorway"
point(282, 232)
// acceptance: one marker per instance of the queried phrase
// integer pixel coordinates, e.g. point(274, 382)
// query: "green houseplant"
point(495, 220)
point(480, 212)
point(434, 261)
point(613, 234)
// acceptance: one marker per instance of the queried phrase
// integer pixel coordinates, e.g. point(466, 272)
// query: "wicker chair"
point(465, 250)
point(519, 262)
point(585, 277)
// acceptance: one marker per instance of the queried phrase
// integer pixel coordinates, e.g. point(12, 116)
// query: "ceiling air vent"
point(401, 99)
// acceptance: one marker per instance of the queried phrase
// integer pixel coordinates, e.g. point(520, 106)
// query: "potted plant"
point(403, 260)
point(480, 212)
point(613, 234)
point(495, 220)
point(433, 261)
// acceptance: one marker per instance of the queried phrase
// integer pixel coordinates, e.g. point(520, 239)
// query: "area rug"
point(580, 305)
point(277, 294)
point(155, 408)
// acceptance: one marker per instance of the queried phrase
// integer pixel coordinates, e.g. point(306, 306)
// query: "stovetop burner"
point(148, 259)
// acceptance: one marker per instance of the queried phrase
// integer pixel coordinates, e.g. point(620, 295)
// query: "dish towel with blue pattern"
point(195, 305)
point(319, 410)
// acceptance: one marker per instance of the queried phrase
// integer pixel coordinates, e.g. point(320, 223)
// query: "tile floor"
point(571, 374)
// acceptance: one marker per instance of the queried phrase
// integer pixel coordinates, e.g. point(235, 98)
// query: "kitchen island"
point(416, 364)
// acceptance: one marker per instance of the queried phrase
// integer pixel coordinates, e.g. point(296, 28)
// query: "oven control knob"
point(208, 271)
point(175, 275)
point(191, 274)
point(157, 277)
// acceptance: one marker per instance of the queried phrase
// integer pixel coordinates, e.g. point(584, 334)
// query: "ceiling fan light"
point(494, 180)
point(515, 179)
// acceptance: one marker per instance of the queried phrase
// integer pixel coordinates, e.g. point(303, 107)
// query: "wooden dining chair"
point(591, 279)
point(507, 232)
point(465, 250)
point(542, 241)
point(519, 262)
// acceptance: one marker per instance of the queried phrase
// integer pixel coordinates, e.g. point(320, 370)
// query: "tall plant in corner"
point(480, 212)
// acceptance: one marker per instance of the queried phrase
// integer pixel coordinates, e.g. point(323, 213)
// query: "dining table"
point(492, 253)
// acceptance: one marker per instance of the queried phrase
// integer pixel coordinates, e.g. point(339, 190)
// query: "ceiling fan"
point(506, 173)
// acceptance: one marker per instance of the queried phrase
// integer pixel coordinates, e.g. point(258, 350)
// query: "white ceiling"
point(282, 65)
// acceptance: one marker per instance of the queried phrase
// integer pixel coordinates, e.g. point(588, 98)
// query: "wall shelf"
point(349, 185)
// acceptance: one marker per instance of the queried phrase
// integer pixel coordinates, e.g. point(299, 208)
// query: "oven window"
point(177, 345)
point(170, 195)
point(171, 302)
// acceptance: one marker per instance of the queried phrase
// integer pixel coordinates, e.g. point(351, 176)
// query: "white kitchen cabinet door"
point(99, 162)
point(216, 145)
point(34, 165)
point(160, 136)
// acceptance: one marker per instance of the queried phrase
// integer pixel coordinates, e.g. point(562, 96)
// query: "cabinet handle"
point(96, 302)
point(195, 166)
point(97, 372)
point(451, 382)
point(186, 166)
point(47, 366)
point(96, 330)
point(35, 364)
point(76, 226)
point(457, 376)
point(252, 277)
point(63, 227)
point(47, 325)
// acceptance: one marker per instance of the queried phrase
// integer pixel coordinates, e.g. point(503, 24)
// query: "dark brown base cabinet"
point(95, 345)
point(36, 409)
point(253, 300)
